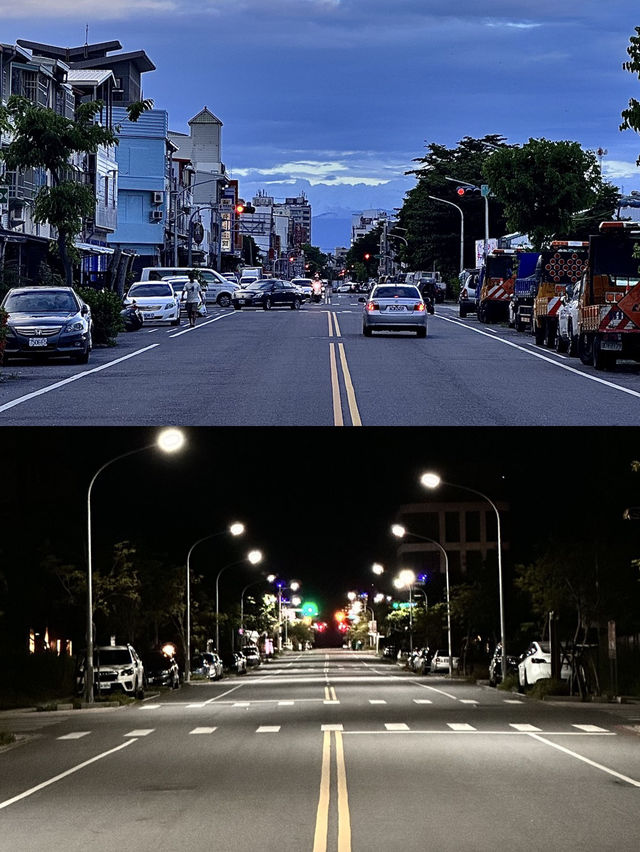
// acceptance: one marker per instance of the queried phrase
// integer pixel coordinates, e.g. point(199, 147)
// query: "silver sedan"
point(394, 307)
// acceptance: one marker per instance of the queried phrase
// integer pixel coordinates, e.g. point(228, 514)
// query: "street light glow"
point(271, 578)
point(405, 578)
point(254, 556)
point(398, 530)
point(170, 440)
point(377, 568)
point(294, 586)
point(378, 598)
point(236, 528)
point(352, 596)
point(430, 480)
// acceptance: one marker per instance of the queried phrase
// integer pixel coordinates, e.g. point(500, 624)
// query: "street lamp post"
point(169, 441)
point(459, 209)
point(254, 557)
point(235, 529)
point(405, 579)
point(432, 480)
point(254, 583)
point(399, 531)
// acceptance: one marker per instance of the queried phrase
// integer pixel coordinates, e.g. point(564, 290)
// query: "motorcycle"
point(316, 296)
point(132, 318)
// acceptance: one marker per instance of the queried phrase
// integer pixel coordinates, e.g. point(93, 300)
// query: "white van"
point(218, 289)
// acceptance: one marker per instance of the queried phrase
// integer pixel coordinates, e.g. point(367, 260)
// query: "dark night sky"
point(318, 502)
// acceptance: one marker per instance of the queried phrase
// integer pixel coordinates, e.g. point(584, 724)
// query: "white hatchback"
point(536, 665)
point(156, 300)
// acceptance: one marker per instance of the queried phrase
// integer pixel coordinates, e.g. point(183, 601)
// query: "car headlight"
point(70, 327)
point(169, 306)
point(127, 672)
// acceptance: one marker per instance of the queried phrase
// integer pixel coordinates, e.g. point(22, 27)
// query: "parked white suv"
point(218, 289)
point(115, 667)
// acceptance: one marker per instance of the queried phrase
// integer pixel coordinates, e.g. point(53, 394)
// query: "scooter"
point(317, 292)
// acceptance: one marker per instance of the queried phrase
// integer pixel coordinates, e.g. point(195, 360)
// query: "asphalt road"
point(327, 752)
point(313, 367)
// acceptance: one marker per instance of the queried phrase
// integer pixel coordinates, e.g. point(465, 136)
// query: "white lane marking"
point(140, 732)
point(546, 358)
point(433, 689)
point(460, 726)
point(331, 701)
point(62, 775)
point(523, 727)
point(286, 703)
point(201, 704)
point(422, 701)
point(203, 730)
point(202, 324)
point(152, 330)
point(222, 694)
point(585, 760)
point(590, 729)
point(468, 701)
point(74, 736)
point(377, 701)
point(241, 704)
point(331, 728)
point(268, 729)
point(149, 706)
point(396, 726)
point(512, 701)
point(74, 378)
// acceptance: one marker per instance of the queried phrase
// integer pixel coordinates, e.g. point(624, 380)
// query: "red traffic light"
point(468, 190)
point(460, 190)
point(239, 208)
point(367, 256)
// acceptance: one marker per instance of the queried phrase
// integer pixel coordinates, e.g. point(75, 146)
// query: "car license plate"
point(38, 341)
point(395, 308)
point(611, 345)
point(241, 301)
point(148, 316)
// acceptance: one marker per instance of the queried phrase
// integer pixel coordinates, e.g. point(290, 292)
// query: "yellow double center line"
point(320, 839)
point(338, 419)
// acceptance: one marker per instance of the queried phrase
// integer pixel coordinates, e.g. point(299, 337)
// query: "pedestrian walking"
point(193, 296)
point(328, 291)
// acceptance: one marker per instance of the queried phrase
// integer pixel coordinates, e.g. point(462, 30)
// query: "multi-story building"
point(363, 223)
point(300, 220)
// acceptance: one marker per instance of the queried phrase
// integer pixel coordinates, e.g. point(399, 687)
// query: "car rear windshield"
point(397, 293)
point(140, 290)
point(43, 301)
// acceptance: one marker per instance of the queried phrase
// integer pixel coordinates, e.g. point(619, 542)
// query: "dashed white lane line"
point(286, 703)
point(590, 729)
point(200, 704)
point(331, 728)
point(140, 732)
point(396, 726)
point(522, 727)
point(203, 730)
point(150, 706)
point(74, 378)
point(460, 726)
point(512, 701)
point(377, 701)
point(241, 704)
point(468, 701)
point(76, 735)
point(268, 729)
point(422, 701)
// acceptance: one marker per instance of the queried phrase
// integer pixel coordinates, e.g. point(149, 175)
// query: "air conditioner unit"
point(157, 215)
point(158, 197)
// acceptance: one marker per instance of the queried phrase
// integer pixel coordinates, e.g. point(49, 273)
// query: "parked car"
point(234, 661)
point(252, 655)
point(440, 661)
point(389, 652)
point(207, 664)
point(268, 293)
point(422, 661)
point(161, 669)
point(468, 298)
point(495, 666)
point(156, 299)
point(46, 321)
point(394, 307)
point(116, 668)
point(535, 665)
point(218, 288)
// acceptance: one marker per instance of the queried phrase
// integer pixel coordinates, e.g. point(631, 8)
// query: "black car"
point(252, 655)
point(267, 294)
point(235, 662)
point(47, 321)
point(495, 666)
point(161, 669)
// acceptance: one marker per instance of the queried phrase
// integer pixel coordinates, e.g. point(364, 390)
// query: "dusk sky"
point(337, 97)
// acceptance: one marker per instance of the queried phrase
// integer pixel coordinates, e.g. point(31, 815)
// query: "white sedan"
point(156, 300)
point(536, 665)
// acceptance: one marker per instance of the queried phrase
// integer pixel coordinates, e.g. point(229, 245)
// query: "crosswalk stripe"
point(200, 704)
point(331, 728)
point(286, 703)
point(74, 736)
point(396, 726)
point(203, 730)
point(268, 729)
point(468, 701)
point(519, 727)
point(460, 726)
point(422, 701)
point(590, 729)
point(140, 732)
point(149, 706)
point(241, 704)
point(513, 701)
point(377, 701)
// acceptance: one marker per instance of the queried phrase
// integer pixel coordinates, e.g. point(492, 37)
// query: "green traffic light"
point(310, 609)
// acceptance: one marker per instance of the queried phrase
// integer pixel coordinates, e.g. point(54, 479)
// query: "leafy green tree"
point(542, 185)
point(41, 138)
point(362, 258)
point(631, 115)
point(315, 260)
point(433, 228)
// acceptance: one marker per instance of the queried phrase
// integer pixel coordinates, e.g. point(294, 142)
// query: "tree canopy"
point(631, 115)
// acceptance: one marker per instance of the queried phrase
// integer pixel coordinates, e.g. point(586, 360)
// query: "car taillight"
point(465, 294)
point(372, 306)
point(419, 306)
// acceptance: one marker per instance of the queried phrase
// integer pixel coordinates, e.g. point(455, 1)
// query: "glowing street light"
point(169, 440)
point(432, 480)
point(377, 568)
point(254, 557)
point(405, 579)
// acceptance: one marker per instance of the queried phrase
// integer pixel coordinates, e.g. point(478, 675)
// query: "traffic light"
point(467, 191)
point(367, 256)
point(240, 208)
